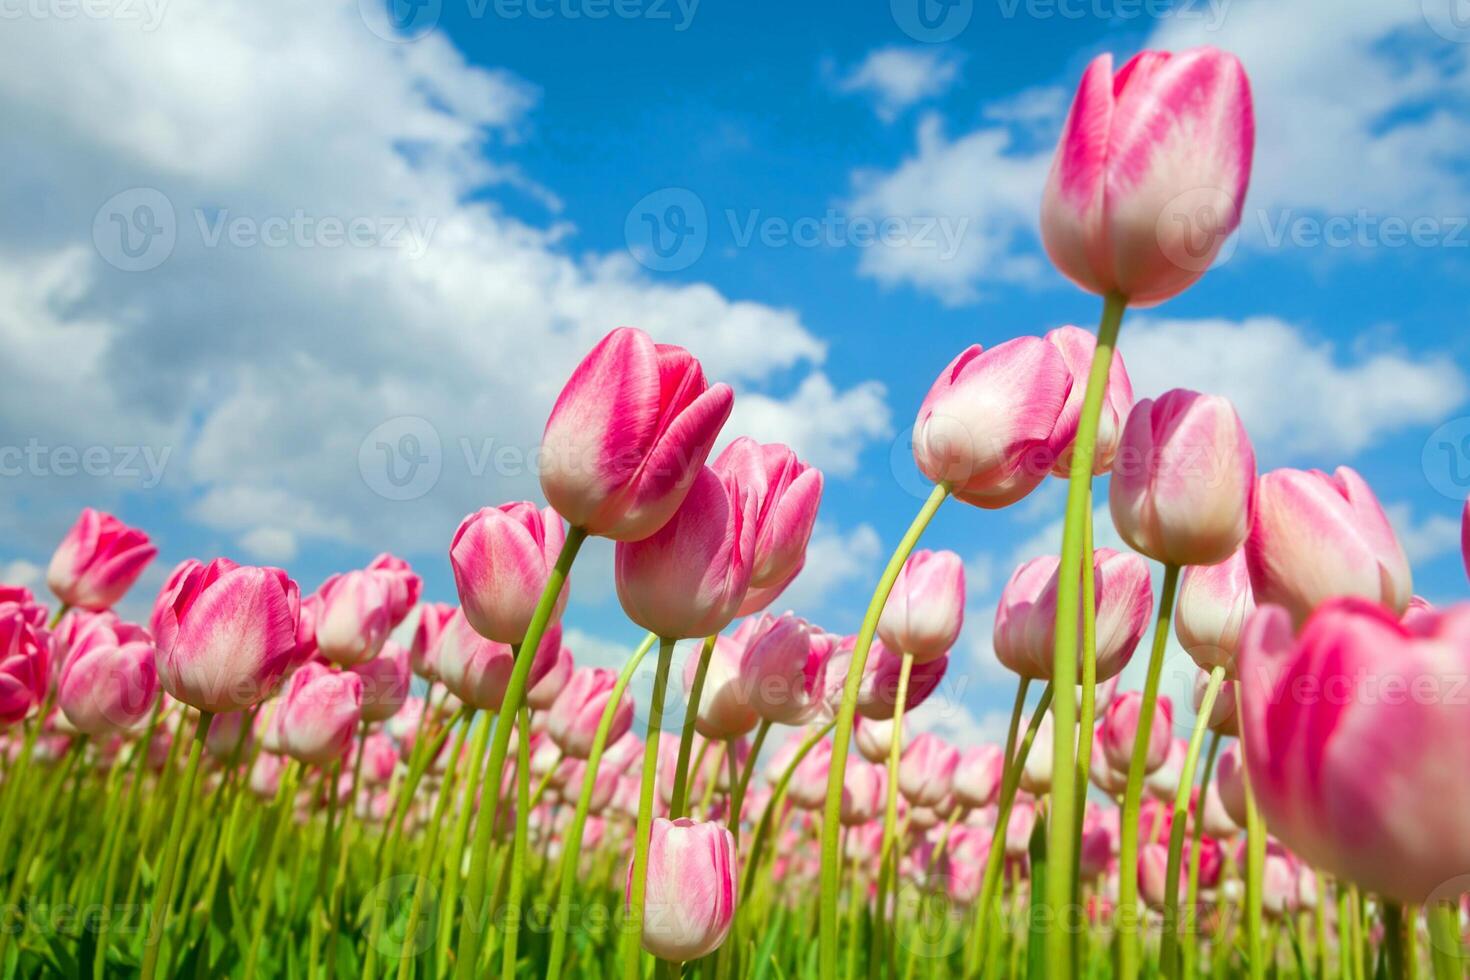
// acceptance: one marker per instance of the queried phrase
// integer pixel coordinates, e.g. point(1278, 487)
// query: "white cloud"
point(1296, 395)
point(274, 545)
point(828, 428)
point(897, 78)
point(834, 560)
point(18, 571)
point(1427, 539)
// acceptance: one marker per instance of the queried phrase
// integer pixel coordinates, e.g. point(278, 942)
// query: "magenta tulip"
point(629, 435)
point(97, 561)
point(385, 682)
point(879, 692)
point(785, 493)
point(109, 683)
point(1099, 840)
point(926, 608)
point(404, 586)
point(19, 599)
point(689, 902)
point(502, 557)
point(783, 667)
point(1212, 606)
point(1119, 730)
point(320, 713)
point(545, 692)
point(577, 712)
point(25, 666)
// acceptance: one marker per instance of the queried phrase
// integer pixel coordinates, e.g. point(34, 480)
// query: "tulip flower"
point(502, 557)
point(1077, 347)
point(1120, 727)
point(926, 608)
point(1150, 173)
point(266, 773)
point(926, 770)
point(1182, 482)
point(578, 710)
point(1025, 619)
point(1111, 781)
point(724, 709)
point(993, 426)
point(226, 634)
point(783, 668)
point(1355, 737)
point(1316, 536)
point(879, 692)
point(385, 682)
point(354, 617)
point(19, 599)
point(422, 652)
point(320, 713)
point(1211, 607)
point(1163, 782)
point(1099, 841)
point(808, 786)
point(863, 792)
point(544, 694)
point(689, 578)
point(25, 666)
point(1224, 718)
point(404, 587)
point(629, 435)
point(379, 759)
point(873, 737)
point(228, 738)
point(1019, 828)
point(1230, 781)
point(477, 670)
point(689, 902)
point(1214, 817)
point(976, 779)
point(1036, 770)
point(97, 561)
point(785, 493)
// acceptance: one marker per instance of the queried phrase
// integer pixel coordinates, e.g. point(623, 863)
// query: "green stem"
point(638, 885)
point(1129, 913)
point(30, 846)
point(842, 734)
point(778, 796)
point(1255, 873)
point(1191, 950)
point(887, 860)
point(680, 799)
point(1169, 950)
point(1394, 923)
point(453, 862)
point(737, 795)
point(1061, 851)
point(1445, 943)
point(339, 880)
point(266, 883)
point(572, 844)
point(518, 847)
point(475, 917)
point(168, 880)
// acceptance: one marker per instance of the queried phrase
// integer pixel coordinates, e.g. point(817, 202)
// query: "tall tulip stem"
point(738, 788)
point(1061, 850)
point(887, 858)
point(842, 734)
point(680, 805)
point(163, 898)
point(1255, 876)
point(639, 882)
point(1191, 949)
point(778, 796)
point(518, 847)
point(1445, 943)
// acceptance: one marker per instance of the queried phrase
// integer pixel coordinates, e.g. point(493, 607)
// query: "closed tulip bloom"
point(1356, 741)
point(783, 667)
point(25, 667)
point(689, 578)
point(226, 635)
point(785, 493)
point(109, 683)
point(19, 599)
point(1019, 828)
point(477, 670)
point(808, 786)
point(578, 711)
point(976, 779)
point(226, 734)
point(604, 784)
point(629, 434)
point(355, 616)
point(1120, 727)
point(502, 557)
point(1077, 347)
point(1163, 782)
point(320, 714)
point(404, 586)
point(1099, 840)
point(1230, 781)
point(1211, 608)
point(1025, 619)
point(879, 692)
point(926, 770)
point(265, 775)
point(992, 425)
point(1224, 717)
point(385, 682)
point(926, 608)
point(625, 753)
point(1150, 173)
point(544, 694)
point(863, 796)
point(97, 561)
point(873, 737)
point(433, 617)
point(689, 899)
point(1316, 536)
point(724, 709)
point(1181, 487)
point(1214, 818)
point(1036, 772)
point(379, 759)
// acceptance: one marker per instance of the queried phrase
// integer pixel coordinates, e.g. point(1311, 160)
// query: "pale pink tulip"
point(1036, 771)
point(1224, 717)
point(808, 786)
point(926, 770)
point(97, 561)
point(1230, 783)
point(385, 682)
point(404, 586)
point(783, 667)
point(785, 494)
point(355, 616)
point(379, 759)
point(1163, 782)
point(1120, 726)
point(422, 653)
point(575, 715)
point(227, 734)
point(873, 737)
point(976, 780)
point(502, 557)
point(724, 709)
point(477, 670)
point(926, 608)
point(1211, 607)
point(863, 795)
point(320, 713)
point(265, 775)
point(544, 694)
point(690, 893)
point(1077, 347)
point(1214, 818)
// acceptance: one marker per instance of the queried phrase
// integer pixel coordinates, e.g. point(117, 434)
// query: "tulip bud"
point(354, 616)
point(403, 586)
point(385, 682)
point(992, 425)
point(976, 780)
point(1230, 782)
point(863, 796)
point(689, 896)
point(1120, 726)
point(1099, 841)
point(544, 694)
point(1150, 173)
point(320, 714)
point(1036, 772)
point(97, 561)
point(783, 667)
point(25, 667)
point(873, 737)
point(502, 557)
point(228, 738)
point(879, 692)
point(926, 770)
point(1224, 718)
point(926, 608)
point(1214, 818)
point(1316, 536)
point(808, 786)
point(1212, 606)
point(724, 709)
point(785, 494)
point(629, 435)
point(689, 578)
point(1077, 347)
point(578, 711)
point(226, 634)
point(433, 617)
point(1163, 782)
point(379, 759)
point(477, 670)
point(1182, 482)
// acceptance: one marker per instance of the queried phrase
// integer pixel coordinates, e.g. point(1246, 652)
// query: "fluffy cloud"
point(1427, 539)
point(896, 78)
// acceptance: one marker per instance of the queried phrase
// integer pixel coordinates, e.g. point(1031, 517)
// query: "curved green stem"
point(1191, 949)
point(680, 800)
point(453, 860)
point(738, 788)
point(168, 881)
point(1255, 876)
point(638, 885)
point(285, 800)
point(887, 859)
point(518, 846)
point(1394, 925)
point(778, 796)
point(475, 917)
point(842, 734)
point(1445, 944)
point(1129, 913)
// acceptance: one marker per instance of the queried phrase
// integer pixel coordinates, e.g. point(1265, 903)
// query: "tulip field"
point(357, 782)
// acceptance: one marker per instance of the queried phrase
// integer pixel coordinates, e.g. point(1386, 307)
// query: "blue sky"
point(369, 239)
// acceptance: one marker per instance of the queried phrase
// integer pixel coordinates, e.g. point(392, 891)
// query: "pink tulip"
point(1214, 817)
point(629, 435)
point(1101, 771)
point(862, 792)
point(689, 898)
point(19, 599)
point(354, 616)
point(993, 425)
point(926, 608)
point(1212, 606)
point(578, 711)
point(623, 754)
point(226, 634)
point(976, 780)
point(1019, 828)
point(433, 617)
point(502, 557)
point(1224, 718)
point(404, 587)
point(1356, 734)
point(1150, 173)
point(783, 667)
point(1036, 771)
point(926, 770)
point(689, 578)
point(1099, 840)
point(227, 734)
point(1230, 781)
point(109, 683)
point(320, 714)
point(808, 786)
point(879, 692)
point(477, 670)
point(544, 694)
point(385, 682)
point(1077, 347)
point(1163, 782)
point(1120, 726)
point(97, 561)
point(25, 666)
point(379, 759)
point(1316, 536)
point(873, 738)
point(1182, 482)
point(785, 493)
point(724, 710)
point(1025, 620)
point(266, 773)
